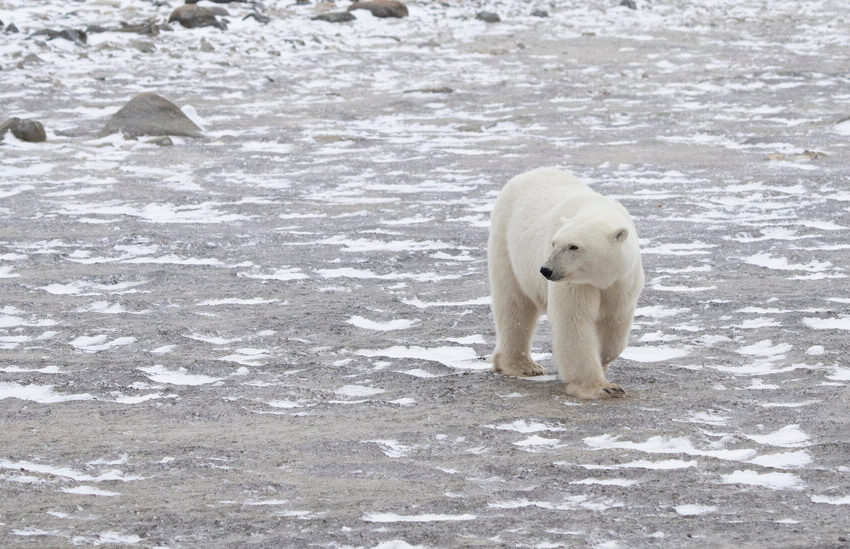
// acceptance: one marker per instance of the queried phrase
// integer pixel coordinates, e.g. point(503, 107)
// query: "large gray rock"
point(193, 16)
point(335, 17)
point(381, 8)
point(23, 129)
point(151, 114)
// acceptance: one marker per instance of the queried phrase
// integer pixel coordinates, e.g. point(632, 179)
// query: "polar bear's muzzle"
point(550, 274)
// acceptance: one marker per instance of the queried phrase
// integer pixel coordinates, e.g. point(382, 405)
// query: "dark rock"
point(193, 16)
point(11, 28)
point(96, 29)
point(74, 35)
point(151, 114)
point(335, 17)
point(381, 8)
point(258, 16)
point(488, 16)
point(25, 130)
point(217, 1)
point(629, 4)
point(540, 13)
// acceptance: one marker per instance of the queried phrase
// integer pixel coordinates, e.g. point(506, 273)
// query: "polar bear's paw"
point(595, 391)
point(516, 367)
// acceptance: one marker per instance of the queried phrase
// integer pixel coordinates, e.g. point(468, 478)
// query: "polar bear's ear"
point(621, 234)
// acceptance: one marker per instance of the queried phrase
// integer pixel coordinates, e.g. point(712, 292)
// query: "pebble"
point(335, 17)
point(151, 114)
point(381, 8)
point(488, 17)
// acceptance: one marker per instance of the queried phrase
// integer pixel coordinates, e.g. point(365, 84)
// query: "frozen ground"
point(275, 335)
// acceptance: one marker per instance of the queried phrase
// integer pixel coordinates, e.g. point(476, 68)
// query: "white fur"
point(548, 218)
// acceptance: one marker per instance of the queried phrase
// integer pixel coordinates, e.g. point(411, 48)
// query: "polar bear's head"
point(589, 251)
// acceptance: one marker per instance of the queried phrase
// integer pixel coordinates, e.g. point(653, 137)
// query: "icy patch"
point(236, 301)
point(392, 517)
point(766, 348)
point(789, 436)
point(89, 491)
point(783, 460)
point(248, 356)
point(667, 445)
point(159, 374)
point(6, 272)
point(773, 481)
point(536, 441)
point(397, 324)
point(43, 394)
point(839, 323)
point(523, 426)
point(464, 358)
point(419, 304)
point(572, 503)
point(392, 448)
point(838, 500)
point(662, 465)
point(282, 274)
point(94, 344)
point(658, 353)
point(607, 482)
point(781, 264)
point(658, 311)
point(689, 510)
point(358, 391)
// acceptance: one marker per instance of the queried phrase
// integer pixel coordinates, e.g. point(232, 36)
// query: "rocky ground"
point(277, 334)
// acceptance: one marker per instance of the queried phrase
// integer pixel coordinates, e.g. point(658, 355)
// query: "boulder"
point(488, 17)
point(23, 129)
point(193, 16)
point(381, 8)
point(151, 114)
point(335, 17)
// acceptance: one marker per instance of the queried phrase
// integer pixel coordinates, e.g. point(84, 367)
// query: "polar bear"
point(557, 246)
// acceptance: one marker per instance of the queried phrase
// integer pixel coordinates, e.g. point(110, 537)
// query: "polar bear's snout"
point(546, 272)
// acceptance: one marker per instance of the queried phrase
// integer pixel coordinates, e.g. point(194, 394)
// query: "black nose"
point(546, 271)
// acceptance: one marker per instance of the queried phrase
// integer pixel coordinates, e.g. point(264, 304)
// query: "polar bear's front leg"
point(573, 312)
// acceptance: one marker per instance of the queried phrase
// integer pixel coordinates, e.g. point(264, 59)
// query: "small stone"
point(151, 114)
point(193, 16)
point(73, 35)
point(488, 17)
point(381, 8)
point(629, 4)
point(163, 141)
point(335, 17)
point(11, 28)
point(150, 27)
point(540, 13)
point(31, 131)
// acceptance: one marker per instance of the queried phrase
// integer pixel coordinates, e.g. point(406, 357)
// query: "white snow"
point(654, 353)
point(160, 374)
point(392, 517)
point(43, 394)
point(357, 391)
point(390, 325)
point(89, 491)
point(789, 436)
point(832, 500)
point(838, 323)
point(692, 509)
point(464, 358)
point(773, 481)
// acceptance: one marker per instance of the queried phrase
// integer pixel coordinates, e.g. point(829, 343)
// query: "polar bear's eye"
point(572, 248)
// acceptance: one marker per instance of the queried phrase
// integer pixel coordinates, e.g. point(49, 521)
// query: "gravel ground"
point(277, 335)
